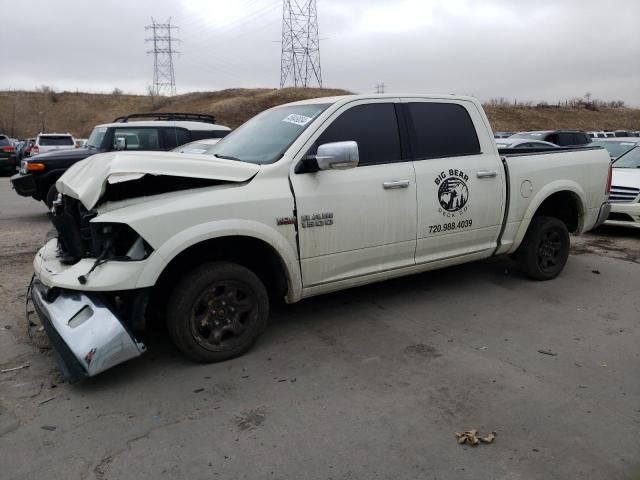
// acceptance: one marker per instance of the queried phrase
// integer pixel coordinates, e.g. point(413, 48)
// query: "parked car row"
point(616, 133)
point(137, 132)
point(566, 138)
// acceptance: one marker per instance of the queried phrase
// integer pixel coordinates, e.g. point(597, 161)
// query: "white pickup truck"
point(304, 199)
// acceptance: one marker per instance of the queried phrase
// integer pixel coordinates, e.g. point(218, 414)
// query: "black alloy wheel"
point(544, 250)
point(222, 313)
point(217, 311)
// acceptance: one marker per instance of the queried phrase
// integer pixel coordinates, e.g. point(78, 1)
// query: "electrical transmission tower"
point(381, 88)
point(164, 80)
point(300, 61)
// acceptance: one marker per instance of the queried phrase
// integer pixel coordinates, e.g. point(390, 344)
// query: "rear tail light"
point(609, 179)
point(32, 167)
point(35, 149)
point(8, 149)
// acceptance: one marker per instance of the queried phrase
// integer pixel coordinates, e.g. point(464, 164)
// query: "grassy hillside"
point(24, 114)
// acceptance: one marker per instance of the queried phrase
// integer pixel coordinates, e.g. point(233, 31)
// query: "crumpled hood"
point(87, 180)
point(626, 177)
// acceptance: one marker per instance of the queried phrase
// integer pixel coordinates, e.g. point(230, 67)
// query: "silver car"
point(616, 146)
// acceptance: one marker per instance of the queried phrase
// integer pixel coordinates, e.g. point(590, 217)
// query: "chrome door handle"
point(395, 184)
point(486, 173)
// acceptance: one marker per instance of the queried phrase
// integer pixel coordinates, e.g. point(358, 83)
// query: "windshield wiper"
point(225, 157)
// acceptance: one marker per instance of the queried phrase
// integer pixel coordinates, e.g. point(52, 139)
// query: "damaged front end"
point(87, 289)
point(86, 335)
point(90, 331)
point(79, 237)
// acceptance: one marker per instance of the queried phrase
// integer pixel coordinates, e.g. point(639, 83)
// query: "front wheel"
point(217, 312)
point(545, 248)
point(52, 194)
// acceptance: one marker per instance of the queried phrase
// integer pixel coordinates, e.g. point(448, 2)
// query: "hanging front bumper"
point(85, 335)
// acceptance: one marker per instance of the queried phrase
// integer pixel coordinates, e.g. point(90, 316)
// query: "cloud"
point(525, 49)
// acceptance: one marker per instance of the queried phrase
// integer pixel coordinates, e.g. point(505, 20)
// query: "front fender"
point(544, 193)
point(225, 228)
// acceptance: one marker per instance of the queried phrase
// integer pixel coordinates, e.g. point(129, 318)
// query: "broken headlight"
point(117, 241)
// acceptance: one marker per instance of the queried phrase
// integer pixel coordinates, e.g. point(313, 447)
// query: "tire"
point(217, 312)
point(52, 193)
point(545, 248)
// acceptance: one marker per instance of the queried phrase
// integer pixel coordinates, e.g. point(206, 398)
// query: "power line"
point(164, 80)
point(300, 59)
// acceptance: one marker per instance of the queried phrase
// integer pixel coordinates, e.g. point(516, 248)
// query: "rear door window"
point(374, 127)
point(147, 138)
point(442, 130)
point(583, 139)
point(566, 138)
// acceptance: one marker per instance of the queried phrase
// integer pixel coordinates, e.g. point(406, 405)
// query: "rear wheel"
point(545, 248)
point(217, 312)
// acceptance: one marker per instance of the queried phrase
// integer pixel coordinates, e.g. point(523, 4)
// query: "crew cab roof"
point(162, 123)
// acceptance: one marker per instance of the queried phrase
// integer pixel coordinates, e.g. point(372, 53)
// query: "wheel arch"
point(251, 244)
point(564, 201)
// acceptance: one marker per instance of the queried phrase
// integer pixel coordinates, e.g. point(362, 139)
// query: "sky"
point(524, 50)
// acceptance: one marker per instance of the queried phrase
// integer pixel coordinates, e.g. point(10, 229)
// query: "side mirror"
point(121, 143)
point(338, 156)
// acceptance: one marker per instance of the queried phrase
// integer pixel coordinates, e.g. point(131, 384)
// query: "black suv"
point(149, 131)
point(8, 159)
point(562, 138)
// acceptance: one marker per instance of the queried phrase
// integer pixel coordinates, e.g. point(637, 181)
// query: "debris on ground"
point(46, 400)
point(548, 352)
point(49, 428)
point(6, 370)
point(471, 437)
point(597, 272)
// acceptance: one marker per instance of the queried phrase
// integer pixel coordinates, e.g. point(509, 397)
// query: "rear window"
point(4, 141)
point(442, 130)
point(55, 141)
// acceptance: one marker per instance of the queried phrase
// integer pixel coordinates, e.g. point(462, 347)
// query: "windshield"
point(615, 149)
point(266, 137)
point(629, 160)
point(96, 137)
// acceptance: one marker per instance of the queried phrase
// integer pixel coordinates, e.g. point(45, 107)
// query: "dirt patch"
point(251, 419)
point(611, 242)
point(426, 351)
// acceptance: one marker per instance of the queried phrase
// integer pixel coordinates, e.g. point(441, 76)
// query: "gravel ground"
point(368, 383)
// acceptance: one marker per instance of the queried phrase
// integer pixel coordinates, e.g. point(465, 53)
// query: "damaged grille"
point(71, 221)
point(79, 238)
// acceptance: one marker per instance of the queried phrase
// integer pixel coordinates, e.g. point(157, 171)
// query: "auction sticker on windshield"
point(297, 119)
